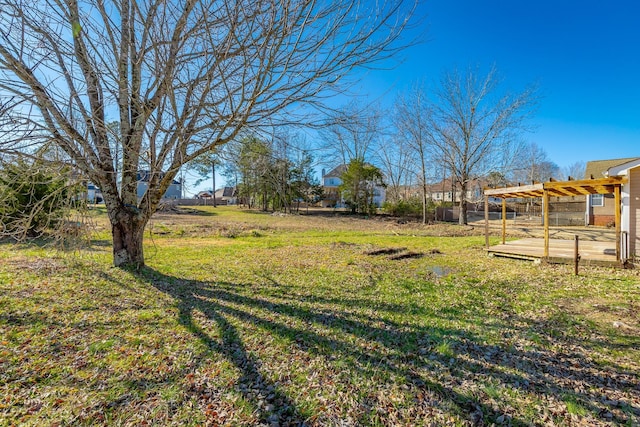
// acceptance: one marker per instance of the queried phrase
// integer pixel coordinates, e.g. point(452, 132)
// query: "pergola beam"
point(559, 188)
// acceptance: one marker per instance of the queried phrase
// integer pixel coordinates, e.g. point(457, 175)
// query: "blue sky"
point(584, 56)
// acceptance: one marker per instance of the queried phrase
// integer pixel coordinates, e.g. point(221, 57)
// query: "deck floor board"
point(561, 251)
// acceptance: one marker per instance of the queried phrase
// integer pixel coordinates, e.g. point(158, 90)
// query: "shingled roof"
point(336, 172)
point(597, 168)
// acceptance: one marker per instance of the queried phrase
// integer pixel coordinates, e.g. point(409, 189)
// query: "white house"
point(94, 195)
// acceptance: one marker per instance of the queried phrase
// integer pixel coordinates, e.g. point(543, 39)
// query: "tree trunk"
point(128, 232)
point(462, 216)
point(424, 201)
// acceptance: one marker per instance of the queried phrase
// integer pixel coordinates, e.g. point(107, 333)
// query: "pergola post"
point(545, 218)
point(504, 220)
point(616, 192)
point(486, 220)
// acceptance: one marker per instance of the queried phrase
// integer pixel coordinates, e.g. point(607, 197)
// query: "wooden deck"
point(560, 251)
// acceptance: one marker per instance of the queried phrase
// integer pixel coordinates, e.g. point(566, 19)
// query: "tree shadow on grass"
point(431, 360)
point(437, 361)
point(271, 403)
point(218, 304)
point(453, 357)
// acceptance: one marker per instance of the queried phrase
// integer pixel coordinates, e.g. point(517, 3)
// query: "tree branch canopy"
point(468, 126)
point(180, 77)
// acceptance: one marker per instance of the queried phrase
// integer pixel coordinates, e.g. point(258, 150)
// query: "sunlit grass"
point(243, 318)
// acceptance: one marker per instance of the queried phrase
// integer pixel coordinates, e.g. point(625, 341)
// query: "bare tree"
point(180, 78)
point(351, 133)
point(474, 126)
point(397, 163)
point(534, 165)
point(575, 171)
point(414, 117)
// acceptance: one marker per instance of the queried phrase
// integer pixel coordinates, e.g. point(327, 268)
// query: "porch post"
point(616, 192)
point(545, 218)
point(486, 220)
point(504, 220)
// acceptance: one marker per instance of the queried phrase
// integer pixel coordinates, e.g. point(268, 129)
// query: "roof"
point(597, 168)
point(448, 184)
point(336, 172)
point(143, 176)
point(226, 192)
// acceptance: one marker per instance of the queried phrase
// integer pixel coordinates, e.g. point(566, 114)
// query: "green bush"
point(410, 207)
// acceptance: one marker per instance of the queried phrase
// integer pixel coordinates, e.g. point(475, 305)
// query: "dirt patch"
point(385, 251)
point(407, 255)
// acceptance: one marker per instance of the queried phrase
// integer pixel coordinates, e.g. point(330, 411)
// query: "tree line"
point(467, 128)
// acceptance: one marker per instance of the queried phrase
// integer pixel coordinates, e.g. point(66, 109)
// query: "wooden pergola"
point(555, 188)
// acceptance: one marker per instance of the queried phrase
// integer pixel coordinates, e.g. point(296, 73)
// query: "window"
point(597, 200)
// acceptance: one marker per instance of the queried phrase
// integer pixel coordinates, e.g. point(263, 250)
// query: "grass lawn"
point(245, 318)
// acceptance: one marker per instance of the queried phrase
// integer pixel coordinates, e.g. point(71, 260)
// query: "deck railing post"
point(504, 220)
point(576, 255)
point(545, 219)
point(618, 217)
point(486, 221)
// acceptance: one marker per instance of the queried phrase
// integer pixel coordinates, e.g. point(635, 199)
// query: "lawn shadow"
point(432, 360)
point(438, 357)
point(269, 401)
point(559, 368)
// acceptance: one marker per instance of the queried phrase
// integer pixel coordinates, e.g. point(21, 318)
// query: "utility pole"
point(213, 178)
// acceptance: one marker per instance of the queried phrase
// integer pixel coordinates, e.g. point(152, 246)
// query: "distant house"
point(330, 185)
point(224, 196)
point(227, 195)
point(173, 192)
point(600, 208)
point(94, 195)
point(447, 191)
point(203, 195)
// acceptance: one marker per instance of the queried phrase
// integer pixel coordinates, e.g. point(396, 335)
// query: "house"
point(203, 195)
point(447, 191)
point(600, 208)
point(227, 195)
point(173, 192)
point(94, 194)
point(628, 170)
point(330, 185)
